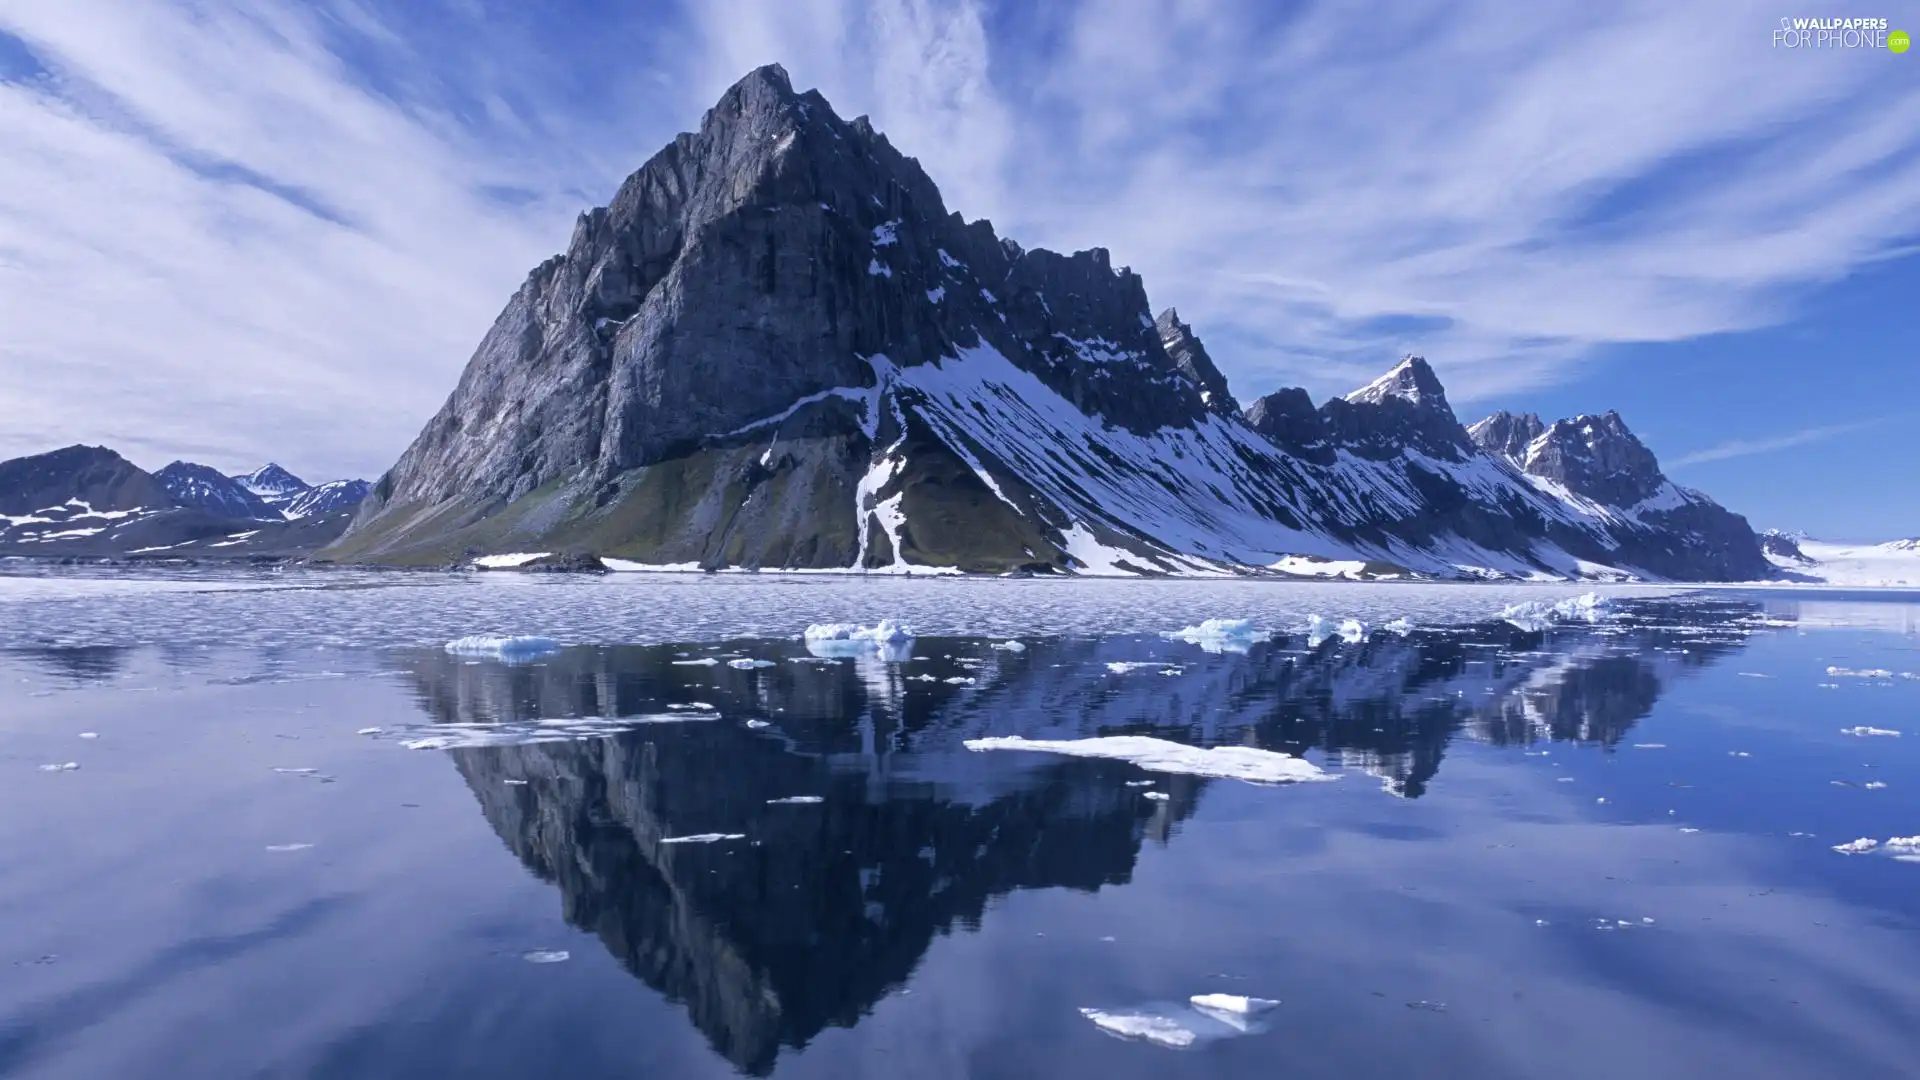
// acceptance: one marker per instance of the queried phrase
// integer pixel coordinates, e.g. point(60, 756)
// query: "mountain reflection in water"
point(823, 908)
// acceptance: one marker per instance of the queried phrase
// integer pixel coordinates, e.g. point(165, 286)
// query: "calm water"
point(1596, 851)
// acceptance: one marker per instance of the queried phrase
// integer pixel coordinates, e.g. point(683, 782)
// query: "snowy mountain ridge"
point(87, 501)
point(775, 348)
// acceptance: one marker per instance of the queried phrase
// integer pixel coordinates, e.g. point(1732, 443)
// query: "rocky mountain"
point(275, 485)
point(327, 498)
point(202, 488)
point(87, 502)
point(776, 347)
point(90, 477)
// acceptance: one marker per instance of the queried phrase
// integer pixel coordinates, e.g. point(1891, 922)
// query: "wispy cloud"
point(245, 227)
point(1739, 448)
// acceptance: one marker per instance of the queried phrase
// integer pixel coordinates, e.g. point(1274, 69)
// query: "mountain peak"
point(1412, 380)
point(271, 480)
point(1190, 356)
point(203, 487)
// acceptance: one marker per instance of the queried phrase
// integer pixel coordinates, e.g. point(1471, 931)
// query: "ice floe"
point(1182, 1026)
point(1866, 673)
point(705, 661)
point(1221, 635)
point(745, 664)
point(887, 639)
point(703, 838)
point(1401, 626)
point(1123, 667)
point(1905, 845)
point(796, 800)
point(1863, 731)
point(1157, 796)
point(521, 647)
point(1535, 615)
point(89, 734)
point(65, 766)
point(1320, 628)
point(1247, 763)
point(1857, 847)
point(546, 956)
point(1010, 646)
point(289, 847)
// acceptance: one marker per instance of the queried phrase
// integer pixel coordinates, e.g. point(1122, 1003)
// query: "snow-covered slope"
point(327, 498)
point(1891, 565)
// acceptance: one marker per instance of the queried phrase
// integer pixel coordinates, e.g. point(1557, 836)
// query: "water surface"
point(1595, 851)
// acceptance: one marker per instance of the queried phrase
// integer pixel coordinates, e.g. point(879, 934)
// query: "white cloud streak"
point(220, 238)
point(1739, 448)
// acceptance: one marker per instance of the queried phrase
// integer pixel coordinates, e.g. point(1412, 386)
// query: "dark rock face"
point(1507, 435)
point(775, 347)
point(1191, 358)
point(93, 475)
point(199, 487)
point(1787, 546)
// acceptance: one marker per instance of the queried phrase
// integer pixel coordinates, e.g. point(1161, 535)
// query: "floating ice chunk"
point(1874, 785)
point(1161, 1029)
point(1857, 847)
point(1139, 783)
point(1649, 746)
point(523, 647)
point(288, 847)
point(546, 956)
point(890, 639)
point(1010, 646)
point(1688, 829)
point(705, 661)
point(1905, 845)
point(1867, 673)
point(304, 771)
point(703, 838)
point(884, 630)
point(756, 725)
point(696, 705)
point(66, 766)
point(1536, 615)
point(368, 731)
point(1738, 753)
point(1863, 731)
point(1157, 796)
point(1401, 626)
point(748, 665)
point(796, 800)
point(1221, 635)
point(1320, 628)
point(1122, 667)
point(1233, 1003)
point(89, 734)
point(1158, 755)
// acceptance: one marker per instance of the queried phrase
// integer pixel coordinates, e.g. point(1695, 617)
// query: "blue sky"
point(238, 231)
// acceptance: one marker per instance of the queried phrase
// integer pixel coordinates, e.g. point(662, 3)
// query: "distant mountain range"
point(89, 502)
point(776, 348)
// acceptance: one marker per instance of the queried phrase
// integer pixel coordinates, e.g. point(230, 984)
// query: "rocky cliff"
point(776, 347)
